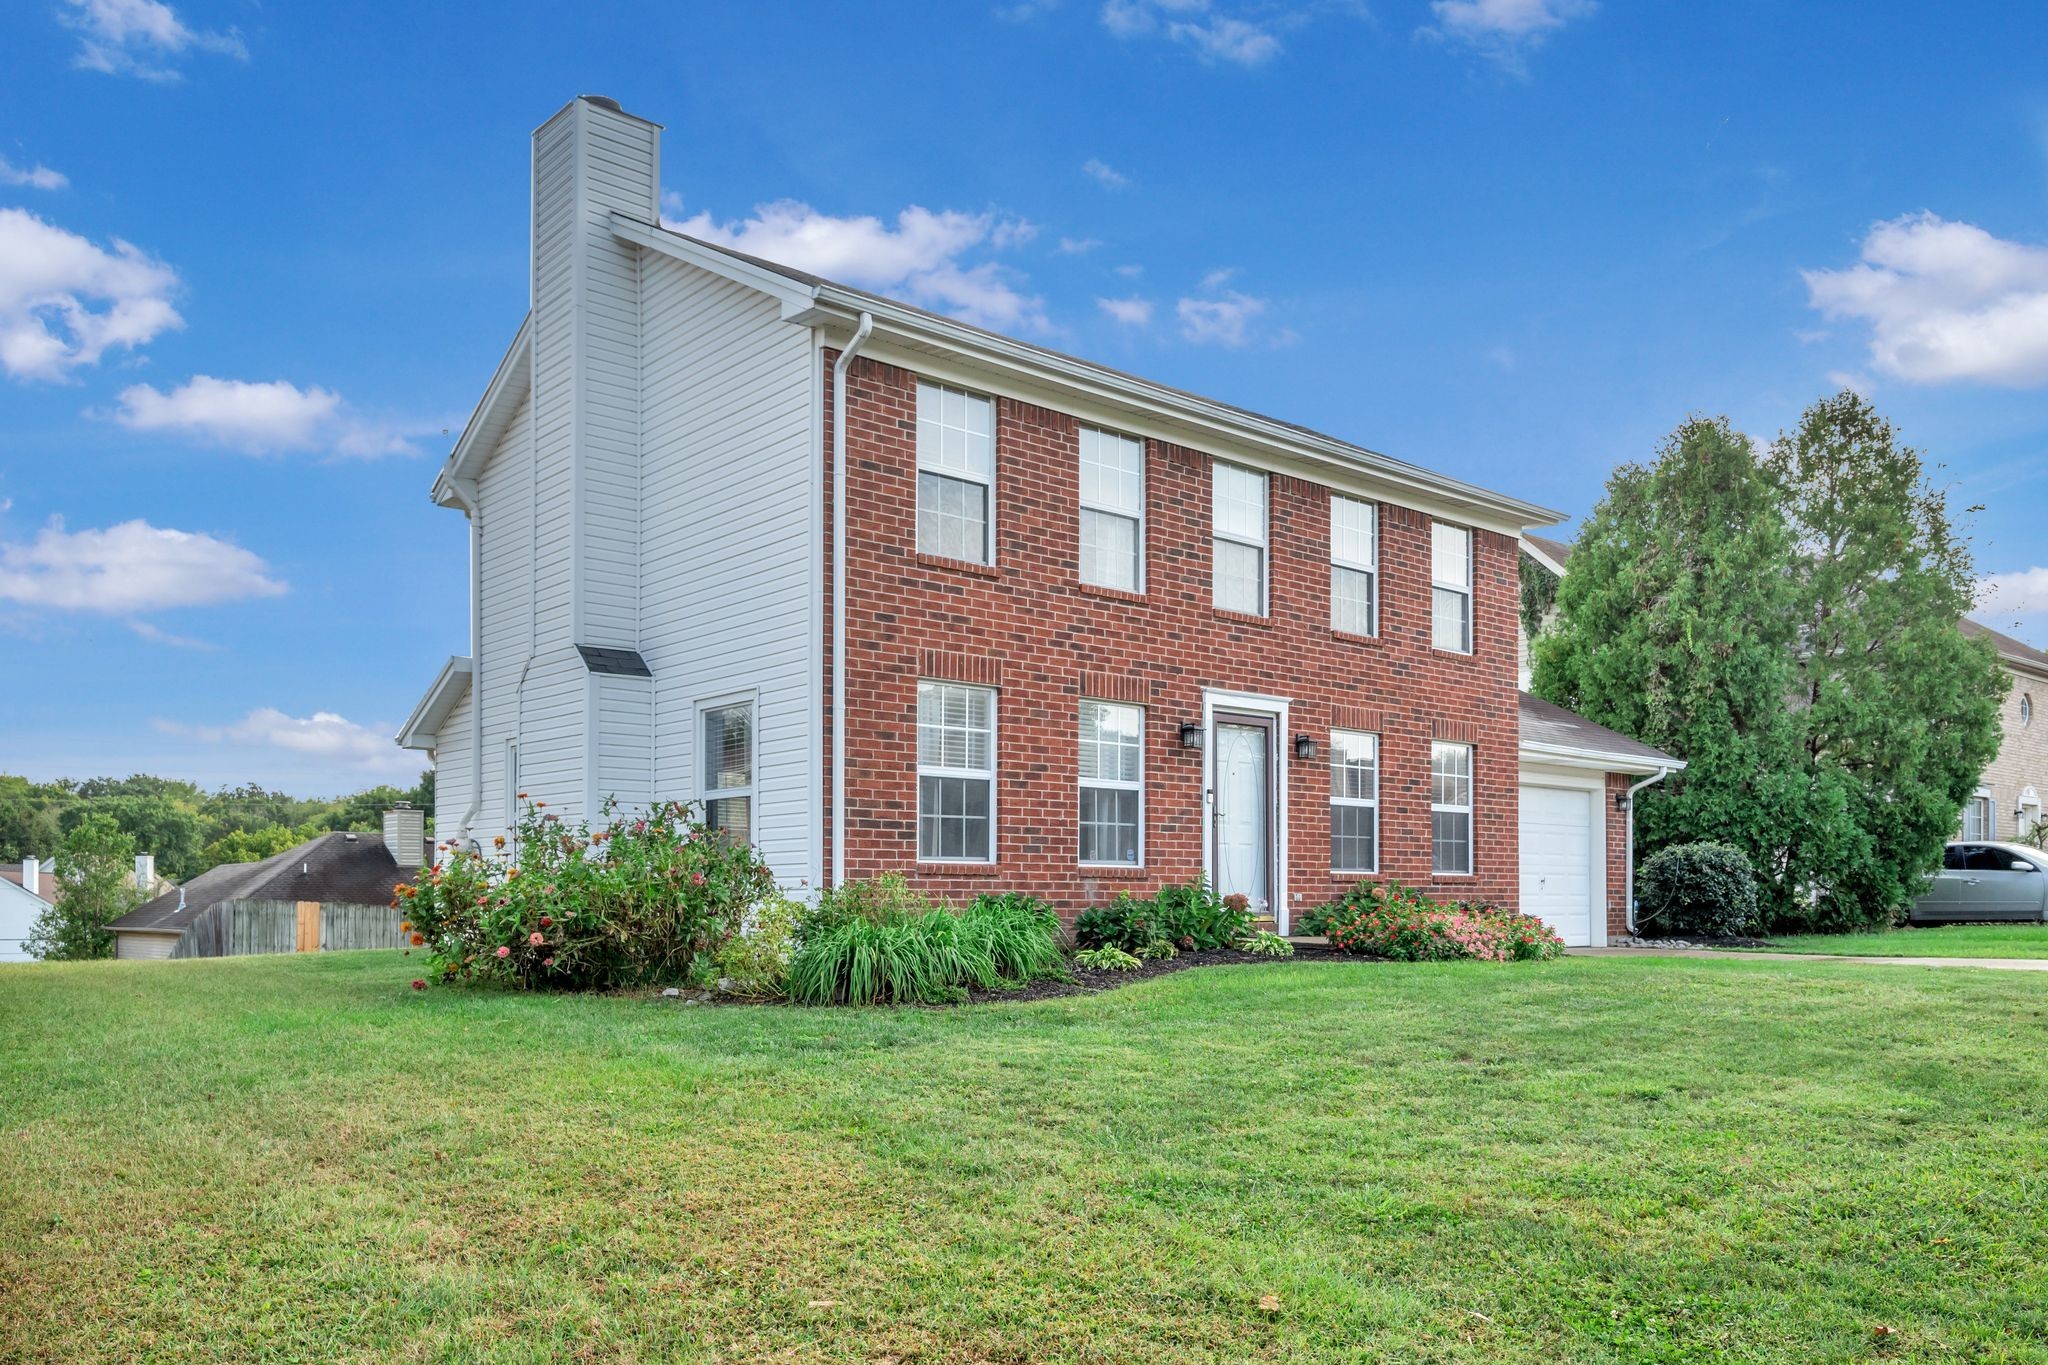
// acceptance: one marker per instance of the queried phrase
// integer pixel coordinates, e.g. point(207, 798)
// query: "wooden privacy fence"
point(304, 927)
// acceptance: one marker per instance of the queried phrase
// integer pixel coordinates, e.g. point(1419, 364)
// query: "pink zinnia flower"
point(418, 984)
point(504, 951)
point(547, 962)
point(534, 939)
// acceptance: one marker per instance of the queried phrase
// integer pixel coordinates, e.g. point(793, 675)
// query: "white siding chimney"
point(405, 835)
point(145, 873)
point(32, 876)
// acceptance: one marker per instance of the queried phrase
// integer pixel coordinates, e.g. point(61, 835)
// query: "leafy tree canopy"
point(95, 886)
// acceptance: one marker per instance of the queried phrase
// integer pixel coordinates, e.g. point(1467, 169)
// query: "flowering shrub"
point(1392, 921)
point(754, 963)
point(641, 900)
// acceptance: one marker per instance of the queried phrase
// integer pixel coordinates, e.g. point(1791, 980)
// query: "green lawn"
point(1589, 1160)
point(1939, 940)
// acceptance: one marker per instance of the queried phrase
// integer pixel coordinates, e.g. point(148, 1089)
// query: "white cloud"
point(919, 257)
point(1219, 277)
point(258, 418)
point(140, 38)
point(1130, 272)
point(324, 735)
point(1945, 302)
point(1132, 312)
point(131, 567)
point(1104, 174)
point(1196, 24)
point(1225, 321)
point(32, 177)
point(2024, 592)
point(1078, 246)
point(64, 301)
point(158, 636)
point(1505, 31)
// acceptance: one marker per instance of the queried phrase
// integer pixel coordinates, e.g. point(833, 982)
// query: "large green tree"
point(95, 886)
point(166, 825)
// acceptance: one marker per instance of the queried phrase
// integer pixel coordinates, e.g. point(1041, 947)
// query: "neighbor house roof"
point(1550, 553)
point(47, 883)
point(347, 868)
point(1549, 732)
point(2010, 650)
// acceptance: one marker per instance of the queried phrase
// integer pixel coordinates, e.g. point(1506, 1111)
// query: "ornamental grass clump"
point(881, 943)
point(1392, 921)
point(641, 900)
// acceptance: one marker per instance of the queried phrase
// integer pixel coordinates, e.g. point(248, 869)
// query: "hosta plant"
point(1107, 958)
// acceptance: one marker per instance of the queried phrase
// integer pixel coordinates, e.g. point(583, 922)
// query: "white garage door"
point(1557, 860)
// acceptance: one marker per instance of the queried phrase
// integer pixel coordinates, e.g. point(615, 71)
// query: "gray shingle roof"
point(1549, 724)
point(349, 869)
point(2017, 650)
point(1558, 550)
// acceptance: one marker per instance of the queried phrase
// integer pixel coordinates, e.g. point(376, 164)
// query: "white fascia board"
point(480, 436)
point(1536, 553)
point(422, 729)
point(1559, 755)
point(795, 296)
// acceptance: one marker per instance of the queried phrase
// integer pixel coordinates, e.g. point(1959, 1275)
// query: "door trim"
point(1254, 705)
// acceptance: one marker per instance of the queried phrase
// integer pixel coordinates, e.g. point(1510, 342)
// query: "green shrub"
point(755, 962)
point(881, 943)
point(1107, 958)
point(641, 900)
point(1705, 889)
point(1265, 943)
point(882, 900)
point(1389, 920)
point(1158, 950)
point(1190, 916)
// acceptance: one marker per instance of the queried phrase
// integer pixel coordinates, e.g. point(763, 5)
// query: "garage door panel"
point(1557, 859)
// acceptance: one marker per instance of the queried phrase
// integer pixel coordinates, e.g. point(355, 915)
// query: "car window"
point(1952, 858)
point(1991, 860)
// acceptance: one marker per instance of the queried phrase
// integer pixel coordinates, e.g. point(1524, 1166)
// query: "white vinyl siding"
point(1450, 808)
point(956, 473)
point(1354, 566)
point(1112, 510)
point(1450, 561)
point(956, 773)
point(1354, 802)
point(1238, 542)
point(1112, 768)
point(728, 747)
point(453, 774)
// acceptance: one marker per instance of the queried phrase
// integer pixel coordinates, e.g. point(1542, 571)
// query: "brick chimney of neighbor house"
point(405, 834)
point(32, 876)
point(145, 873)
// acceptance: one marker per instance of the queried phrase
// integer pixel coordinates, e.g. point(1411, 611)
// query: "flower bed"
point(1392, 921)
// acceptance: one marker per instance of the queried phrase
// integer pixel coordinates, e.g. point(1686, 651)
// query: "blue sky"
point(254, 260)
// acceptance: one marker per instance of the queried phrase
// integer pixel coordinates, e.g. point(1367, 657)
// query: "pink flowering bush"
point(1389, 920)
point(641, 900)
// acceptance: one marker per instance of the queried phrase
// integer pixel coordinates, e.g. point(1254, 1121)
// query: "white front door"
point(1243, 812)
point(1557, 860)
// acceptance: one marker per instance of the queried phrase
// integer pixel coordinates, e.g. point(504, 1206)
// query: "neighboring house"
point(888, 592)
point(332, 892)
point(25, 893)
point(2007, 803)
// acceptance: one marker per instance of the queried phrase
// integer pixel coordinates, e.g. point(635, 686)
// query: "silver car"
point(1981, 881)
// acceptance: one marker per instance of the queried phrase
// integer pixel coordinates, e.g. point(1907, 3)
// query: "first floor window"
point(1450, 808)
point(728, 733)
point(1977, 818)
point(956, 773)
point(1354, 801)
point(1112, 783)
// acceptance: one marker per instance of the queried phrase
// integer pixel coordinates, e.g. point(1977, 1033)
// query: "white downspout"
point(1629, 852)
point(839, 369)
point(466, 490)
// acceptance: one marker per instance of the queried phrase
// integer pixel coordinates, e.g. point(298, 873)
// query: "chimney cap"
point(602, 102)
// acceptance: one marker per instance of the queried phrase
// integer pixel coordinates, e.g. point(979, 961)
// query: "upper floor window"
point(1450, 808)
point(956, 473)
point(1238, 547)
point(956, 773)
point(1354, 802)
point(1112, 783)
point(728, 738)
point(2026, 709)
point(1354, 566)
point(1450, 571)
point(1112, 510)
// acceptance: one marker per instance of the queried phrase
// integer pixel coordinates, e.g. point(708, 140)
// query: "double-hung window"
point(1354, 566)
point(1112, 783)
point(1354, 802)
point(728, 740)
point(1238, 544)
point(956, 474)
point(1112, 510)
point(956, 773)
point(1450, 808)
point(1978, 821)
point(1450, 560)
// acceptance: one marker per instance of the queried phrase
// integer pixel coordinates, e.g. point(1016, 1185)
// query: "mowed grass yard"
point(1935, 940)
point(1587, 1160)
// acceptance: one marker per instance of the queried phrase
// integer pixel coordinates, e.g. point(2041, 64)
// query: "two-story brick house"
point(889, 592)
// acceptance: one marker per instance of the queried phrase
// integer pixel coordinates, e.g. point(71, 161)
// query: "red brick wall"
point(1031, 627)
point(1617, 856)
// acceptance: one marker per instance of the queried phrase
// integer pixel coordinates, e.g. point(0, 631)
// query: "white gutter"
point(1629, 852)
point(839, 369)
point(464, 491)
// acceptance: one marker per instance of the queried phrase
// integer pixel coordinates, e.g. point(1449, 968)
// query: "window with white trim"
point(1354, 566)
point(727, 733)
point(1450, 571)
point(2026, 709)
point(1354, 801)
point(956, 773)
point(956, 473)
point(1112, 821)
point(1238, 542)
point(1112, 510)
point(1980, 820)
point(1450, 808)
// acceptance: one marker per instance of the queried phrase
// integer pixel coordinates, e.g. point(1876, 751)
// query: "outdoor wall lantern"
point(1191, 734)
point(1621, 800)
point(1304, 746)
